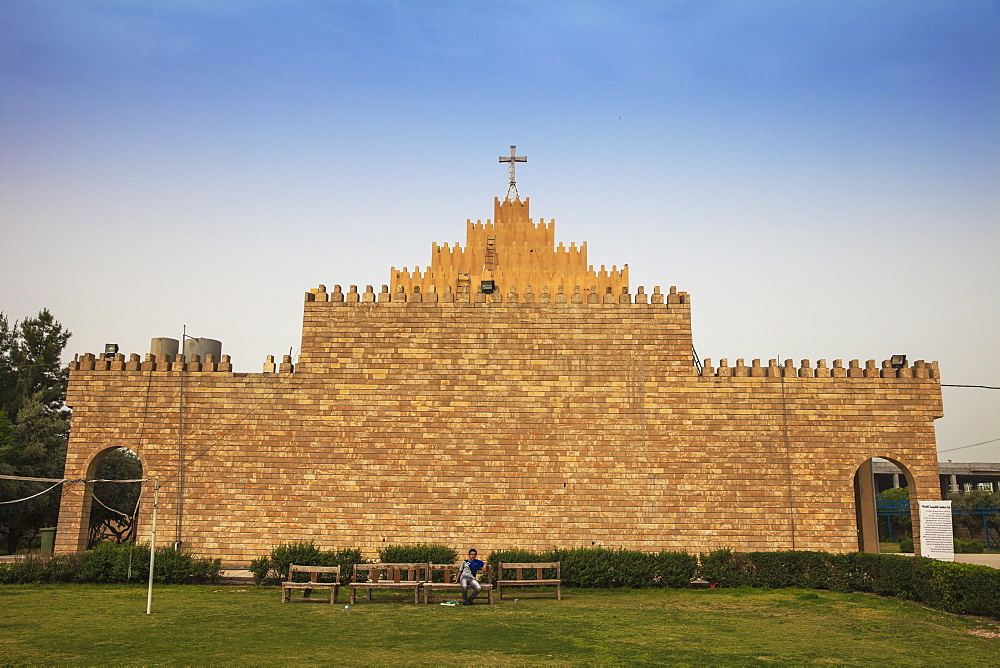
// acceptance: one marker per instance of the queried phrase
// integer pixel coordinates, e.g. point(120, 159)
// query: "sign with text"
point(937, 539)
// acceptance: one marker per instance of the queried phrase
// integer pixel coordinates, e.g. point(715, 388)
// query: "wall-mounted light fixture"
point(898, 361)
point(487, 287)
point(110, 350)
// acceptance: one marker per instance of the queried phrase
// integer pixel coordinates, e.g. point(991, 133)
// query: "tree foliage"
point(34, 422)
point(114, 505)
point(978, 500)
point(902, 525)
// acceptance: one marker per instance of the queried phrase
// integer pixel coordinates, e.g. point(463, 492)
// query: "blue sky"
point(823, 177)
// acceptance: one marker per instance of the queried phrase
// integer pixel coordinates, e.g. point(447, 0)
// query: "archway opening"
point(114, 506)
point(883, 507)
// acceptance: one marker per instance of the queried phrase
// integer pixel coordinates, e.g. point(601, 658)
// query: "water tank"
point(164, 346)
point(202, 347)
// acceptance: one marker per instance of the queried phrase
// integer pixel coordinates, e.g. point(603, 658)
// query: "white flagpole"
point(152, 546)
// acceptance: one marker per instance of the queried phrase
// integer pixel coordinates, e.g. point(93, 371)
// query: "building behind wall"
point(508, 395)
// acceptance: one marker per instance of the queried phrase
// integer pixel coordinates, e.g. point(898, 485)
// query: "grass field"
point(212, 625)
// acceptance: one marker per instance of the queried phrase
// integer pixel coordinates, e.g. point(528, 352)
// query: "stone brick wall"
point(509, 419)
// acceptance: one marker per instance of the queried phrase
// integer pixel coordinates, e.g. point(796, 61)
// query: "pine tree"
point(34, 422)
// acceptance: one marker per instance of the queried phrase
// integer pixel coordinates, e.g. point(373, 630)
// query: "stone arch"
point(111, 510)
point(864, 503)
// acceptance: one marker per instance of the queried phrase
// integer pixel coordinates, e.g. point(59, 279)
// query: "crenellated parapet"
point(92, 362)
point(510, 249)
point(177, 363)
point(919, 369)
point(544, 294)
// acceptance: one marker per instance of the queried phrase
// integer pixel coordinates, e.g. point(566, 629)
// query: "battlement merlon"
point(510, 249)
point(544, 294)
point(169, 363)
point(920, 369)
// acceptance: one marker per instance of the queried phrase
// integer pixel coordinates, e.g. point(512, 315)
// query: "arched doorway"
point(114, 506)
point(866, 490)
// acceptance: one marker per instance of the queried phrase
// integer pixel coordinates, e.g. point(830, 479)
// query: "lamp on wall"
point(487, 287)
point(110, 350)
point(898, 361)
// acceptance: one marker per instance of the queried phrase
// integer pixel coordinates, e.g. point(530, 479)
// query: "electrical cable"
point(247, 414)
point(65, 481)
point(963, 447)
point(28, 498)
point(94, 497)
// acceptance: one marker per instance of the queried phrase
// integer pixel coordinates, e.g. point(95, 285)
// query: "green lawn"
point(199, 625)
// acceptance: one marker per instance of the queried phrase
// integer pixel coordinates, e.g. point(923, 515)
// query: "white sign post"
point(937, 540)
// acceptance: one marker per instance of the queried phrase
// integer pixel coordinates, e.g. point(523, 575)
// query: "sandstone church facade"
point(508, 395)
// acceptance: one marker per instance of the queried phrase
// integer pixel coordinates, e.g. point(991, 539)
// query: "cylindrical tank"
point(164, 346)
point(202, 347)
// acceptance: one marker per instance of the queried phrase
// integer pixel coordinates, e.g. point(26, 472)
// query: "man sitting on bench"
point(467, 577)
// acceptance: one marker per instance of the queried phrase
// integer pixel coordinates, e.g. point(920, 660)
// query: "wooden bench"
point(388, 576)
point(519, 580)
point(289, 586)
point(450, 580)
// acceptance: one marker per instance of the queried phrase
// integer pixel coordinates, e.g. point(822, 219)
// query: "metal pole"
point(152, 546)
point(180, 445)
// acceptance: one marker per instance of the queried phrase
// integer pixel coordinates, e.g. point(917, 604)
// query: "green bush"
point(517, 555)
point(599, 567)
point(275, 566)
point(960, 588)
point(973, 546)
point(38, 569)
point(115, 563)
point(417, 554)
point(723, 567)
point(260, 568)
point(176, 567)
point(302, 553)
point(112, 563)
point(675, 569)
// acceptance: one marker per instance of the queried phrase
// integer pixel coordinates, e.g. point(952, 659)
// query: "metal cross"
point(511, 160)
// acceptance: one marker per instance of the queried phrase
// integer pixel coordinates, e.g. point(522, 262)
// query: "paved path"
point(981, 559)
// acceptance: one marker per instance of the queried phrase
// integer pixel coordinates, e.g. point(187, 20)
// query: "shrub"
point(973, 546)
point(906, 545)
point(959, 588)
point(112, 563)
point(517, 555)
point(605, 568)
point(115, 563)
point(723, 567)
point(38, 569)
point(417, 554)
point(600, 567)
point(304, 553)
point(675, 569)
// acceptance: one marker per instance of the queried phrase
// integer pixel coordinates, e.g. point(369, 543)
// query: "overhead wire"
point(64, 481)
point(281, 380)
point(963, 447)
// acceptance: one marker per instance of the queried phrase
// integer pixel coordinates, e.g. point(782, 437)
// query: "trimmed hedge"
point(111, 563)
point(973, 546)
point(417, 554)
point(275, 566)
point(603, 568)
point(959, 588)
point(965, 589)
